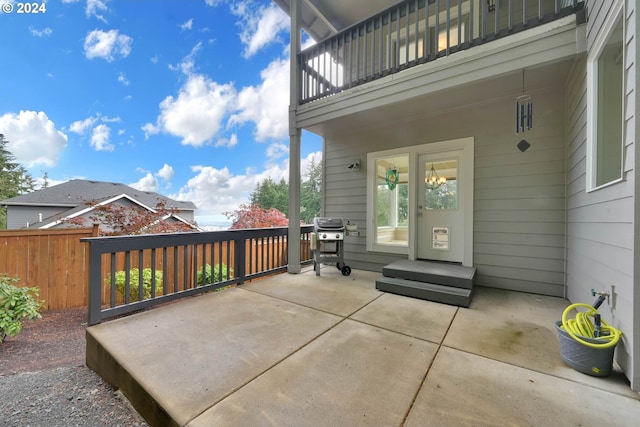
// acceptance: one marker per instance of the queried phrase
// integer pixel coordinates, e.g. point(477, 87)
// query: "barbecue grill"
point(328, 244)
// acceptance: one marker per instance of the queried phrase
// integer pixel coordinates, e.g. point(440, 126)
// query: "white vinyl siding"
point(600, 224)
point(519, 202)
point(23, 216)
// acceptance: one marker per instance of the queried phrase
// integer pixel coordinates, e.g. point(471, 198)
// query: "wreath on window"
point(392, 178)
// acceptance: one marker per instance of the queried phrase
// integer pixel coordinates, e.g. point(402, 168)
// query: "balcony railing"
point(415, 32)
point(130, 273)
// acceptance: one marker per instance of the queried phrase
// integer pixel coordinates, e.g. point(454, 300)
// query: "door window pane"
point(441, 185)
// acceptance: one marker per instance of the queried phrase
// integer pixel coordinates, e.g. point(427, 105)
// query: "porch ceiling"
point(506, 86)
point(321, 19)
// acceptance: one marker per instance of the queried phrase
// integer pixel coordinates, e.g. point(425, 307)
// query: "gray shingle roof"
point(78, 191)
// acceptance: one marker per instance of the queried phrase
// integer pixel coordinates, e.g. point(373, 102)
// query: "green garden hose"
point(582, 327)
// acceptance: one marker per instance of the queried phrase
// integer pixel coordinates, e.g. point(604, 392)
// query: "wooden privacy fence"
point(55, 261)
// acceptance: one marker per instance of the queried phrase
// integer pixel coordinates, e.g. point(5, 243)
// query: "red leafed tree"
point(253, 216)
point(121, 220)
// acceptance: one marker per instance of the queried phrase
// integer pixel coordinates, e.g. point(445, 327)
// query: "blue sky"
point(188, 98)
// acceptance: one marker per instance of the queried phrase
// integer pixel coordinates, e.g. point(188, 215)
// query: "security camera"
point(355, 165)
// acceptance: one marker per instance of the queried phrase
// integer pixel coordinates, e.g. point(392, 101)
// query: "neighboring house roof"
point(77, 194)
point(79, 191)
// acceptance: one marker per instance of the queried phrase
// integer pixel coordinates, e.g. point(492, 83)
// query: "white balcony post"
point(293, 238)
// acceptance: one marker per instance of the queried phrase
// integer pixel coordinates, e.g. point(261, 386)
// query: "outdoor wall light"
point(354, 166)
point(491, 5)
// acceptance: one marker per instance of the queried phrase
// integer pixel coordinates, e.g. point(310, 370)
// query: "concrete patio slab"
point(193, 353)
point(302, 350)
point(354, 375)
point(518, 328)
point(332, 292)
point(414, 317)
point(464, 389)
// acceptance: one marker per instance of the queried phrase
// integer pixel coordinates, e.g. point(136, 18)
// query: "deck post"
point(293, 239)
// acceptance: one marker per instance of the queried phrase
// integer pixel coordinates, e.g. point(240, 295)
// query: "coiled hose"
point(582, 327)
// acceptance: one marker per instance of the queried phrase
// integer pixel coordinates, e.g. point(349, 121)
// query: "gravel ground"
point(45, 383)
point(67, 396)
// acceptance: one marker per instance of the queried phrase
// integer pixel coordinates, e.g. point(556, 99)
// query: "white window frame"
point(616, 14)
point(372, 244)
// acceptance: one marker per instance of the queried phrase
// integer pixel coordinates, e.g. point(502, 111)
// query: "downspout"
point(293, 238)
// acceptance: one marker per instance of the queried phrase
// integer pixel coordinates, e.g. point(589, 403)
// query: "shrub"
point(219, 274)
point(134, 275)
point(16, 304)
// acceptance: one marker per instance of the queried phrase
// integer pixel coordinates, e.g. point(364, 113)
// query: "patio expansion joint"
point(241, 386)
point(426, 374)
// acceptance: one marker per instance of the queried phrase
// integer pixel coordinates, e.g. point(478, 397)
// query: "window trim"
point(616, 15)
point(371, 242)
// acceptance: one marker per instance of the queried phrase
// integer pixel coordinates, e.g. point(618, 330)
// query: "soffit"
point(477, 93)
point(321, 18)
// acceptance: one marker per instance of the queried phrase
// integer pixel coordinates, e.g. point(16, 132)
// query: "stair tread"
point(432, 272)
point(425, 286)
point(426, 291)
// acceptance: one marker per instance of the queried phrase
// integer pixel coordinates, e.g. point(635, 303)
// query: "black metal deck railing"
point(130, 273)
point(415, 32)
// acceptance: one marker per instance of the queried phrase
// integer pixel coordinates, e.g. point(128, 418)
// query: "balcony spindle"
point(140, 275)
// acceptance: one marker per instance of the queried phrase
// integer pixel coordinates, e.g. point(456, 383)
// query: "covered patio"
point(303, 350)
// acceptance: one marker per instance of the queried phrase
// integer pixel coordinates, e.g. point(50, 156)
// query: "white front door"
point(440, 207)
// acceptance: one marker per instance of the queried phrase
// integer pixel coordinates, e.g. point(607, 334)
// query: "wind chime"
point(524, 111)
point(524, 116)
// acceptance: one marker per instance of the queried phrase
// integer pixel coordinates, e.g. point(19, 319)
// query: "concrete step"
point(427, 291)
point(438, 273)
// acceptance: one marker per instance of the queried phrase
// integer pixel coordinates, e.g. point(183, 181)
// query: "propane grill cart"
point(328, 244)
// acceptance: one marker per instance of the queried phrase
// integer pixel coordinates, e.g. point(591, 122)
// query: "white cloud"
point(195, 115)
point(216, 191)
point(100, 138)
point(33, 137)
point(40, 33)
point(107, 45)
point(259, 27)
point(267, 104)
point(188, 63)
point(166, 172)
point(146, 183)
point(100, 134)
point(187, 25)
point(232, 141)
point(277, 150)
point(154, 59)
point(122, 78)
point(81, 126)
point(95, 8)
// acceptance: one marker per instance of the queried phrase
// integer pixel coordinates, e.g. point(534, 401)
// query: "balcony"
point(416, 32)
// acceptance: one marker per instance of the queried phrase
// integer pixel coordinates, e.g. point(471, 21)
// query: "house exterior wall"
point(21, 216)
point(519, 200)
point(601, 223)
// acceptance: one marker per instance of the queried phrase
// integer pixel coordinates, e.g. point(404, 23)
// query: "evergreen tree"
point(270, 195)
point(311, 193)
point(14, 179)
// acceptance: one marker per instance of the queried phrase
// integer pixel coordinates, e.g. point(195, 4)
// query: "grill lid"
point(328, 223)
